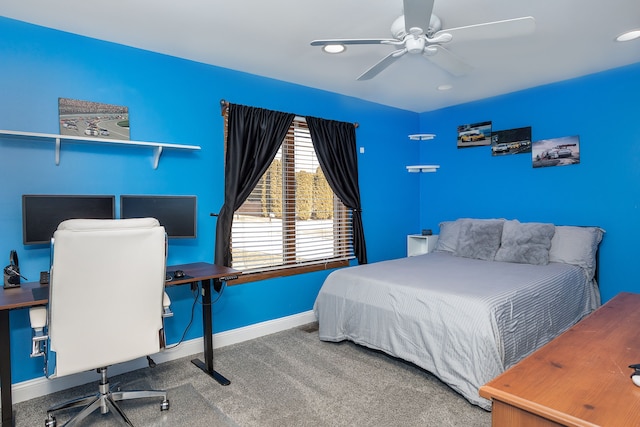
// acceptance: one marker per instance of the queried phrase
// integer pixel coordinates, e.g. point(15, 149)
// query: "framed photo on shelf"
point(93, 119)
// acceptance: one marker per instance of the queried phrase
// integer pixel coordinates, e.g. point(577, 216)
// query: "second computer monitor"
point(178, 214)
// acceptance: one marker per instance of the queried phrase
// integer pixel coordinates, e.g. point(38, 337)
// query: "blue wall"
point(603, 190)
point(176, 101)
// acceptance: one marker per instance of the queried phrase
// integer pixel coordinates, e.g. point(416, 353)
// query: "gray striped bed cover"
point(464, 320)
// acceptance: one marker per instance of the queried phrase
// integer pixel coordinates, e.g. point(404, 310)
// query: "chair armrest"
point(38, 317)
point(166, 303)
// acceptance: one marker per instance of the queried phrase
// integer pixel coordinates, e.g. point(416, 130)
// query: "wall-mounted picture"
point(474, 135)
point(556, 152)
point(93, 119)
point(511, 141)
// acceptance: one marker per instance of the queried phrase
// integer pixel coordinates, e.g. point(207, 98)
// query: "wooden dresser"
point(581, 378)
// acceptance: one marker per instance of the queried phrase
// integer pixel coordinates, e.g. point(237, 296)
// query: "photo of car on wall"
point(556, 152)
point(474, 135)
point(511, 141)
point(93, 119)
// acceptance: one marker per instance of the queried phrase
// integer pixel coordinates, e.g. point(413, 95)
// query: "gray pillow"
point(525, 243)
point(479, 238)
point(448, 237)
point(577, 246)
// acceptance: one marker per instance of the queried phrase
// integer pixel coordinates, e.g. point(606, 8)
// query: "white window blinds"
point(292, 217)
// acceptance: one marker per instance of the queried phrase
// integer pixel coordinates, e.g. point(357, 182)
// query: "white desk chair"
point(106, 297)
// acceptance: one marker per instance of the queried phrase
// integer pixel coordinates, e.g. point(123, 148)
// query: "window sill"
point(257, 276)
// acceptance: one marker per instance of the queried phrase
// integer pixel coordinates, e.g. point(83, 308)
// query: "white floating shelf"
point(421, 136)
point(423, 168)
point(157, 146)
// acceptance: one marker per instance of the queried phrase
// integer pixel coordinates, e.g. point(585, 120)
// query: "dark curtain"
point(335, 146)
point(254, 136)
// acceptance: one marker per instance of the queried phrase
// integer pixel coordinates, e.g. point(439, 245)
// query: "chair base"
point(105, 400)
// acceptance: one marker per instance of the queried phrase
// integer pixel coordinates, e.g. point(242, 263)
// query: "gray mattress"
point(464, 320)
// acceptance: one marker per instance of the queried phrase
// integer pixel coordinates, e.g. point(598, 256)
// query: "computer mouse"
point(178, 274)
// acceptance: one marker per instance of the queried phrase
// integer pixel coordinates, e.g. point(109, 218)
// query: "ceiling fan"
point(418, 31)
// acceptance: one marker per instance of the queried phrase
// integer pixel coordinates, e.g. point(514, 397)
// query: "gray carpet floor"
point(290, 378)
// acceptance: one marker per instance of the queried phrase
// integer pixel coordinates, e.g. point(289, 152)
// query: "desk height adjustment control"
point(217, 284)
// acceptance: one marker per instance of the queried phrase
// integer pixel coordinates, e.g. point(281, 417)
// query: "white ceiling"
point(271, 38)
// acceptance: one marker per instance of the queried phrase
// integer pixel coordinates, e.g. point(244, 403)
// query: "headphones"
point(12, 271)
point(13, 258)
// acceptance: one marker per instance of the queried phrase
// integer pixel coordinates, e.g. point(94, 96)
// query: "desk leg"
point(207, 326)
point(5, 369)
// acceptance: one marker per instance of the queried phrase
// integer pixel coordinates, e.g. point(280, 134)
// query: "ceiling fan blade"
point(492, 30)
point(382, 64)
point(446, 60)
point(351, 41)
point(417, 14)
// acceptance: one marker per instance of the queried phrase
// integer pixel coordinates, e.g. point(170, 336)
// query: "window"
point(292, 220)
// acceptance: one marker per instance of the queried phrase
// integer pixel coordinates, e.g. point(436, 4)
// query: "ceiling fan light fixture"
point(628, 35)
point(334, 48)
point(419, 32)
point(415, 45)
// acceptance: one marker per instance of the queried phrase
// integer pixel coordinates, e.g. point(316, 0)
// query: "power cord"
point(193, 307)
point(224, 286)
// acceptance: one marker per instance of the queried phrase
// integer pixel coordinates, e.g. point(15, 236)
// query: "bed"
point(492, 292)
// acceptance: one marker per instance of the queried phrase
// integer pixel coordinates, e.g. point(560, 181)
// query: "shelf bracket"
point(57, 151)
point(156, 156)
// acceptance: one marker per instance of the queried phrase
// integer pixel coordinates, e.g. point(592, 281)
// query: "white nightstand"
point(417, 244)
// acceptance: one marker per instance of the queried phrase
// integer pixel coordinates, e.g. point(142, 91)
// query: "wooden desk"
point(581, 378)
point(32, 294)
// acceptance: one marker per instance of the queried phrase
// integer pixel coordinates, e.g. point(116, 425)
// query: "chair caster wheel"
point(164, 406)
point(50, 421)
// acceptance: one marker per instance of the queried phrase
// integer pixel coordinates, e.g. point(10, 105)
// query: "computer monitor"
point(41, 213)
point(178, 214)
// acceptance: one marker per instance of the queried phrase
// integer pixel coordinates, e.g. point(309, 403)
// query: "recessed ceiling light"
point(629, 35)
point(445, 87)
point(334, 48)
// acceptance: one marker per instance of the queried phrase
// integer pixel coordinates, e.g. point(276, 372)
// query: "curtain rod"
point(225, 104)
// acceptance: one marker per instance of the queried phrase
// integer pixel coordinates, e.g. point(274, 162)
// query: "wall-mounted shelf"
point(423, 168)
point(421, 136)
point(157, 146)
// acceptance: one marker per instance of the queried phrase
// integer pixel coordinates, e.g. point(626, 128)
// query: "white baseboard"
point(37, 387)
